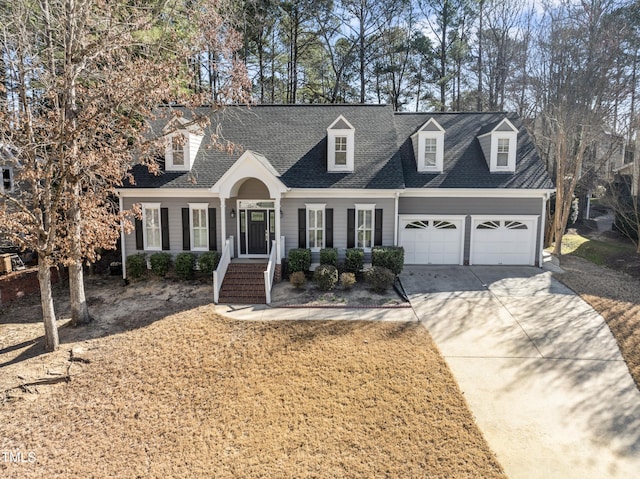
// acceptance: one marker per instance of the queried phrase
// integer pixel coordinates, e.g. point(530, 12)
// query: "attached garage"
point(503, 240)
point(431, 240)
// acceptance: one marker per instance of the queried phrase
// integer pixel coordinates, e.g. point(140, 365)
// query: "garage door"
point(429, 240)
point(503, 240)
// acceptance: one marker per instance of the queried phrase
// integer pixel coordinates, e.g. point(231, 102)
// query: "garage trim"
point(458, 219)
point(533, 219)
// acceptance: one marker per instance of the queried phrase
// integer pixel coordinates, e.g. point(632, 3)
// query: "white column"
point(223, 222)
point(277, 215)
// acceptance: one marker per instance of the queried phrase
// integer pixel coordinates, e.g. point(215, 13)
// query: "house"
point(451, 188)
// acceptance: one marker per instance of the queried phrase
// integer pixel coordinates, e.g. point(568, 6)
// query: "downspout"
point(396, 220)
point(122, 248)
point(543, 223)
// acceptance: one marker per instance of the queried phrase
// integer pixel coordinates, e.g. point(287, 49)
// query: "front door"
point(257, 231)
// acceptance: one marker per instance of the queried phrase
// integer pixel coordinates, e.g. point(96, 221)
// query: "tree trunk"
point(51, 338)
point(79, 309)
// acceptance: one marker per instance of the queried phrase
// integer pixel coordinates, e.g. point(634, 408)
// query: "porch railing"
point(221, 270)
point(268, 274)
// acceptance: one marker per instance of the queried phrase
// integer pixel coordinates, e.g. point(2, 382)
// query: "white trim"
point(333, 193)
point(145, 207)
point(316, 207)
point(165, 193)
point(365, 207)
point(480, 218)
point(423, 136)
point(495, 129)
point(123, 252)
point(461, 218)
point(198, 206)
point(474, 193)
point(249, 165)
point(246, 233)
point(543, 220)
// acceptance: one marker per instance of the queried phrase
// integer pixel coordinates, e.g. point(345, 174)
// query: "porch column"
point(223, 221)
point(277, 215)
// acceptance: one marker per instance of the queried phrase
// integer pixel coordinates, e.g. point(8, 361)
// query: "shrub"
point(326, 277)
point(185, 264)
point(390, 257)
point(299, 260)
point(380, 278)
point(354, 260)
point(329, 256)
point(297, 279)
point(347, 280)
point(208, 262)
point(136, 265)
point(160, 263)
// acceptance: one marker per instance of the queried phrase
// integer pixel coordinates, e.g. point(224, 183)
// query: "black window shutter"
point(328, 227)
point(213, 245)
point(139, 233)
point(186, 234)
point(164, 222)
point(377, 237)
point(302, 228)
point(351, 227)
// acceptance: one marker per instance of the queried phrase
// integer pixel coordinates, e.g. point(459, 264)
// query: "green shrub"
point(299, 260)
point(326, 277)
point(185, 264)
point(380, 278)
point(390, 257)
point(354, 260)
point(298, 279)
point(160, 263)
point(136, 265)
point(347, 280)
point(208, 262)
point(329, 256)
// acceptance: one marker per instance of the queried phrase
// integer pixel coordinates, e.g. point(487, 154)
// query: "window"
point(315, 227)
point(340, 146)
point(502, 160)
point(341, 150)
point(7, 180)
point(177, 150)
point(364, 226)
point(152, 226)
point(199, 226)
point(430, 151)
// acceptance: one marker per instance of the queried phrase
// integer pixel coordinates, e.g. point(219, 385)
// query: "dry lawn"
point(195, 395)
point(616, 296)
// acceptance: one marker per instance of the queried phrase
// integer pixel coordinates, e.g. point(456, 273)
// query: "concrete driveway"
point(538, 366)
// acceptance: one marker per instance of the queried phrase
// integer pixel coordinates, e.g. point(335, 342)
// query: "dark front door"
point(256, 231)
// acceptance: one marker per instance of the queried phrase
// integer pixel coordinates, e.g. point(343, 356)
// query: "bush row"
point(184, 265)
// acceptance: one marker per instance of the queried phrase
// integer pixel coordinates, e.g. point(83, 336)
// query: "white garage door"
point(428, 240)
point(496, 240)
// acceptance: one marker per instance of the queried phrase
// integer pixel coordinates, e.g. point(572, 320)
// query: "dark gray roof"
point(293, 138)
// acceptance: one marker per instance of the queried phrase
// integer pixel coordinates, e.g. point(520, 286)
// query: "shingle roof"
point(293, 138)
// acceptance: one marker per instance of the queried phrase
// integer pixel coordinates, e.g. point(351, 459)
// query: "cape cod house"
point(451, 188)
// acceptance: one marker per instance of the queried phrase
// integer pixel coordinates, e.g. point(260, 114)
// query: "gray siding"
point(175, 206)
point(289, 223)
point(473, 206)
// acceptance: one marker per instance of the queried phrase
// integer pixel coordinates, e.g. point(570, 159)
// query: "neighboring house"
point(451, 188)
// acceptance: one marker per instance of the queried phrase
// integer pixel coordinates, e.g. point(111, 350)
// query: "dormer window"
point(429, 147)
point(340, 146)
point(502, 161)
point(499, 143)
point(182, 142)
point(177, 150)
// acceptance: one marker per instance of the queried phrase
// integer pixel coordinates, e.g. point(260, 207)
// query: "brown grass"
point(194, 395)
point(616, 296)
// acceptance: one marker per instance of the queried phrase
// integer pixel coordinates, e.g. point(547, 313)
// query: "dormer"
point(499, 144)
point(340, 146)
point(428, 147)
point(182, 141)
